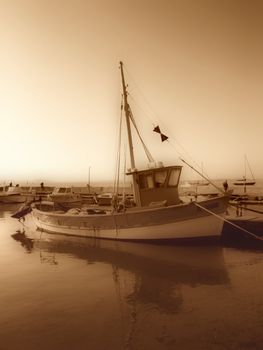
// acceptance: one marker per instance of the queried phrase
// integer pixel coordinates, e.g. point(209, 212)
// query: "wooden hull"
point(184, 221)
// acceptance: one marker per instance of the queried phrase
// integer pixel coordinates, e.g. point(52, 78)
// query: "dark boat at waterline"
point(243, 229)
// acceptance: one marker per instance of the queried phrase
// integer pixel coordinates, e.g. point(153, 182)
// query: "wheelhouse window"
point(160, 178)
point(174, 177)
point(150, 182)
point(62, 190)
point(146, 181)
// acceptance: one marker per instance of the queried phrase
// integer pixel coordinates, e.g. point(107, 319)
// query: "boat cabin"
point(105, 199)
point(12, 190)
point(63, 190)
point(158, 185)
point(42, 190)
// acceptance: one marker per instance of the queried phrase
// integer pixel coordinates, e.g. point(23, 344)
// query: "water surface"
point(75, 293)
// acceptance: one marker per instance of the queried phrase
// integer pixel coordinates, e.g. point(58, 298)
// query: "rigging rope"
point(147, 152)
point(218, 188)
point(185, 152)
point(249, 168)
point(117, 170)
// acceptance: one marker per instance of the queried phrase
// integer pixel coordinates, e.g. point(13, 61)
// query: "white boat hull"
point(176, 222)
point(16, 198)
point(195, 228)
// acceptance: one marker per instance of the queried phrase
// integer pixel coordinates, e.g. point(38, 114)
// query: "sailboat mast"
point(127, 111)
point(127, 115)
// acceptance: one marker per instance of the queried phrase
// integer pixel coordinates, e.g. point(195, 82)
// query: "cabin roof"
point(151, 170)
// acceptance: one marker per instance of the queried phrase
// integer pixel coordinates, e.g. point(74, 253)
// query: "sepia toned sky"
point(192, 67)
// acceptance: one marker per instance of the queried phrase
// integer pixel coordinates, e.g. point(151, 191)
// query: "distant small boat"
point(199, 183)
point(244, 181)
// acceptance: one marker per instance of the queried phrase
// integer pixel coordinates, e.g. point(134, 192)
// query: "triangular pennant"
point(157, 129)
point(164, 137)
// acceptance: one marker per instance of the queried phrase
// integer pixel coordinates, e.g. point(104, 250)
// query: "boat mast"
point(127, 111)
point(127, 115)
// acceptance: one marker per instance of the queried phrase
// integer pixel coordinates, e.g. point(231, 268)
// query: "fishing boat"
point(155, 213)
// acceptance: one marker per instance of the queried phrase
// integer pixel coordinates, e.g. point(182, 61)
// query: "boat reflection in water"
point(25, 241)
point(158, 270)
point(134, 292)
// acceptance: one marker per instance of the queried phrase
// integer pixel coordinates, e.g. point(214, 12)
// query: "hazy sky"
point(193, 66)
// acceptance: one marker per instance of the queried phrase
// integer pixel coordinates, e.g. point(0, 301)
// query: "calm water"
point(66, 293)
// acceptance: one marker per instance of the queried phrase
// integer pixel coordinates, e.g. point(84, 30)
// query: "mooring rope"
point(229, 222)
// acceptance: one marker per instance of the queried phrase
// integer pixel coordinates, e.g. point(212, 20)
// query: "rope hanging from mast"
point(147, 152)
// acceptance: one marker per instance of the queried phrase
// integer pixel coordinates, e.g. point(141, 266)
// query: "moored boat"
point(245, 181)
point(198, 183)
point(156, 212)
point(12, 194)
point(104, 198)
point(243, 227)
point(65, 197)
